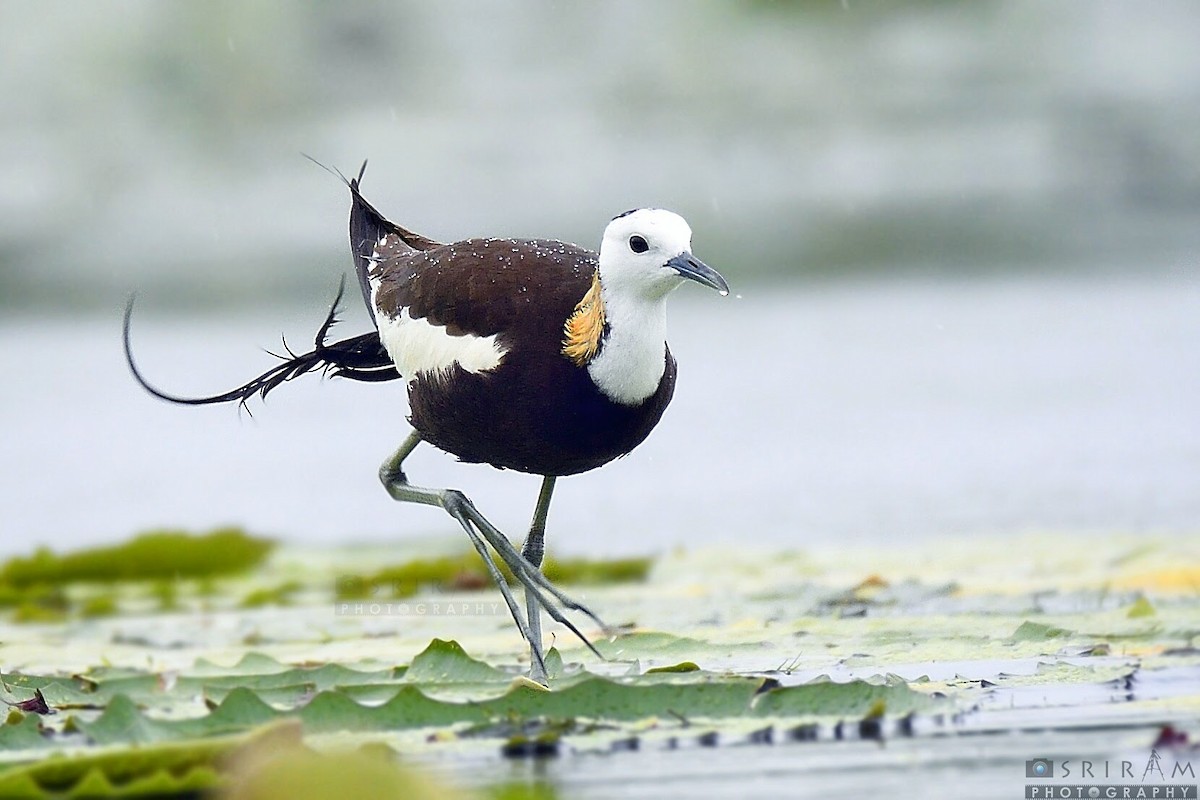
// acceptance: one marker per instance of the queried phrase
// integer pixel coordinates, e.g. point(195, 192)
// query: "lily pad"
point(1038, 632)
point(753, 654)
point(446, 662)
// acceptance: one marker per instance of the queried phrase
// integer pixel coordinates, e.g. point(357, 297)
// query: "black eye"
point(638, 244)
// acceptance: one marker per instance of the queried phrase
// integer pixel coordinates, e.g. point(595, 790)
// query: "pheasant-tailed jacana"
point(526, 354)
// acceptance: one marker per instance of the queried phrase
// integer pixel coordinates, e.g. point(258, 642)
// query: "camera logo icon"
point(1039, 768)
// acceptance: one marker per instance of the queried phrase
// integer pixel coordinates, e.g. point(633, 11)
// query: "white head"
point(645, 254)
point(648, 253)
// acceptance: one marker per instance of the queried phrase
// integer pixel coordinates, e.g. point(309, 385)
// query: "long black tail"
point(359, 358)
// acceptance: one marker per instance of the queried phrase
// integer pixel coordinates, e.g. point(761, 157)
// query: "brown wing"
point(484, 287)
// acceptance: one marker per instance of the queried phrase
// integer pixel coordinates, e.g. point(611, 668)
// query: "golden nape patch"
point(585, 326)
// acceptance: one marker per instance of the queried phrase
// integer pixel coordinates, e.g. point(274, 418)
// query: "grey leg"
point(533, 550)
point(482, 533)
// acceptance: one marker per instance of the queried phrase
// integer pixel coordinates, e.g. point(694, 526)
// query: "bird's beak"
point(694, 269)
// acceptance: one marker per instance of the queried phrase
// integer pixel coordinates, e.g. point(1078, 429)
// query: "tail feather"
point(367, 227)
point(359, 358)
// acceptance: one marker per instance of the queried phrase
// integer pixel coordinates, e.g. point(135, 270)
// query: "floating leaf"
point(334, 677)
point(22, 732)
point(682, 666)
point(645, 644)
point(601, 698)
point(326, 676)
point(446, 662)
point(850, 699)
point(252, 663)
point(593, 698)
point(1037, 632)
point(121, 722)
point(1140, 608)
point(155, 770)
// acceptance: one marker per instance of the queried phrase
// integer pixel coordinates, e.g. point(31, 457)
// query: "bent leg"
point(482, 533)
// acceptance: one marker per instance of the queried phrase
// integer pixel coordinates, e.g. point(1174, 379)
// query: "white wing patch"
point(420, 347)
point(417, 346)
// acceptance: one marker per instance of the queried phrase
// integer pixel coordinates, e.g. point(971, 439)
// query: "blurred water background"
point(964, 240)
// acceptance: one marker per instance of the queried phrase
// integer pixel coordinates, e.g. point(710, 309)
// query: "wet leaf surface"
point(719, 651)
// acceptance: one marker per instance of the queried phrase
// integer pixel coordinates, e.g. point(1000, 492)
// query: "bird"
point(533, 355)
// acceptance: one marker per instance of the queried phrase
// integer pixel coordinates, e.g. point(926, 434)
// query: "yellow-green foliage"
point(36, 603)
point(30, 612)
point(100, 605)
point(151, 556)
point(1141, 608)
point(301, 774)
point(466, 571)
point(46, 596)
point(521, 791)
point(597, 571)
point(280, 595)
point(165, 594)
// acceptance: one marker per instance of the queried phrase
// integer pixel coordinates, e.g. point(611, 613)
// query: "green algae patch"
point(279, 595)
point(597, 572)
point(465, 571)
point(99, 605)
point(156, 555)
point(36, 604)
point(38, 613)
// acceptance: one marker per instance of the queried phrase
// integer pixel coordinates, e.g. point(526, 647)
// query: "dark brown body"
point(537, 412)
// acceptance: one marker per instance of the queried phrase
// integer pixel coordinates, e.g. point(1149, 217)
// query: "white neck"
point(632, 358)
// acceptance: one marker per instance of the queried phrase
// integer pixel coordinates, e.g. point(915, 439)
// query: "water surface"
point(849, 411)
